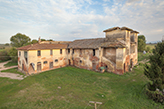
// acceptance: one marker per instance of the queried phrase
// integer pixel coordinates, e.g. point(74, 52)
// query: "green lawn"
point(73, 88)
point(9, 64)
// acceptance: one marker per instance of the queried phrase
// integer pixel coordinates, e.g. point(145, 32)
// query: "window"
point(51, 52)
point(56, 60)
point(72, 51)
point(19, 62)
point(80, 51)
point(39, 53)
point(93, 52)
point(60, 51)
point(80, 61)
point(25, 56)
point(19, 53)
point(45, 62)
point(68, 51)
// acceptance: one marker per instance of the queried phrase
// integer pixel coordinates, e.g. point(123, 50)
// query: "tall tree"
point(19, 40)
point(141, 43)
point(155, 71)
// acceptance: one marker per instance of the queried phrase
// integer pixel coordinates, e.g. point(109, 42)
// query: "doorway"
point(39, 66)
point(124, 67)
point(93, 66)
point(22, 67)
point(69, 62)
point(51, 65)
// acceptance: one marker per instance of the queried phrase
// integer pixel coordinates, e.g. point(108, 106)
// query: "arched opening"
point(32, 68)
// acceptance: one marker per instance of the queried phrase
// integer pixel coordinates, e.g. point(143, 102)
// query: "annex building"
point(116, 53)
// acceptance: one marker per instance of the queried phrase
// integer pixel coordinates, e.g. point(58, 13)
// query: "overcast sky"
point(77, 19)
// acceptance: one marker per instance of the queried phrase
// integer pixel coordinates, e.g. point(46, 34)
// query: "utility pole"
point(94, 102)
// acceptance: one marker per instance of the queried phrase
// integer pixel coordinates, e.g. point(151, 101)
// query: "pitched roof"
point(43, 46)
point(87, 43)
point(123, 28)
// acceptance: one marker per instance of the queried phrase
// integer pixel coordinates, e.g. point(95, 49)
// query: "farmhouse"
point(116, 53)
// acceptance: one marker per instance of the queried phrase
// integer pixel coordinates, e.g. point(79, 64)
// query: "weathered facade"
point(117, 53)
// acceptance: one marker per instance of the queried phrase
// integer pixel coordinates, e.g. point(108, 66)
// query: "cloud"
point(75, 19)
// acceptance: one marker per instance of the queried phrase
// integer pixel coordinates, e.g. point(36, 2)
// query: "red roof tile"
point(43, 46)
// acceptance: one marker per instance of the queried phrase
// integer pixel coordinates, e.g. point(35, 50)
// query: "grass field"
point(11, 64)
point(73, 88)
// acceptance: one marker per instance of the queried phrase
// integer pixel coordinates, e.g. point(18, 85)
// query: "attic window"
point(51, 53)
point(19, 53)
point(68, 51)
point(60, 51)
point(93, 52)
point(72, 51)
point(39, 53)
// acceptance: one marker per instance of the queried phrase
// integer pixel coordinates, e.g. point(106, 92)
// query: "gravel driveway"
point(7, 74)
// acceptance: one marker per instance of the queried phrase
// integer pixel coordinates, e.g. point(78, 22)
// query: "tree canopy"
point(19, 40)
point(13, 54)
point(34, 41)
point(141, 43)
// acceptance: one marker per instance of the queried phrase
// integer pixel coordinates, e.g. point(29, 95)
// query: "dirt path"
point(9, 75)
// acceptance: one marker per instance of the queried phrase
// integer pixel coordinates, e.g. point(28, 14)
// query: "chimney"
point(39, 40)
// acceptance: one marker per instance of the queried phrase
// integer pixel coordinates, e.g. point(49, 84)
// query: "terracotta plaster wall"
point(119, 60)
point(116, 34)
point(83, 58)
point(110, 53)
point(21, 60)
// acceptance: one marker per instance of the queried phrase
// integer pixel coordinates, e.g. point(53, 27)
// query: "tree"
point(7, 44)
point(19, 40)
point(4, 55)
point(148, 49)
point(141, 43)
point(49, 40)
point(43, 39)
point(34, 41)
point(13, 54)
point(155, 71)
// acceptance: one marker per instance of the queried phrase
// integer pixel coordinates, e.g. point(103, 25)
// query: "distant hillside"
point(153, 42)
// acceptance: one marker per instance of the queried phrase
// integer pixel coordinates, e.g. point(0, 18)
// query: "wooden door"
point(69, 62)
point(93, 66)
point(39, 66)
point(22, 67)
point(51, 65)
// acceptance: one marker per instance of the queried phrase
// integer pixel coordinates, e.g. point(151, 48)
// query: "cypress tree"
point(155, 70)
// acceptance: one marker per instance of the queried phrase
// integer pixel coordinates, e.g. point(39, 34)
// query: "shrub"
point(148, 49)
point(156, 95)
point(13, 54)
point(4, 55)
